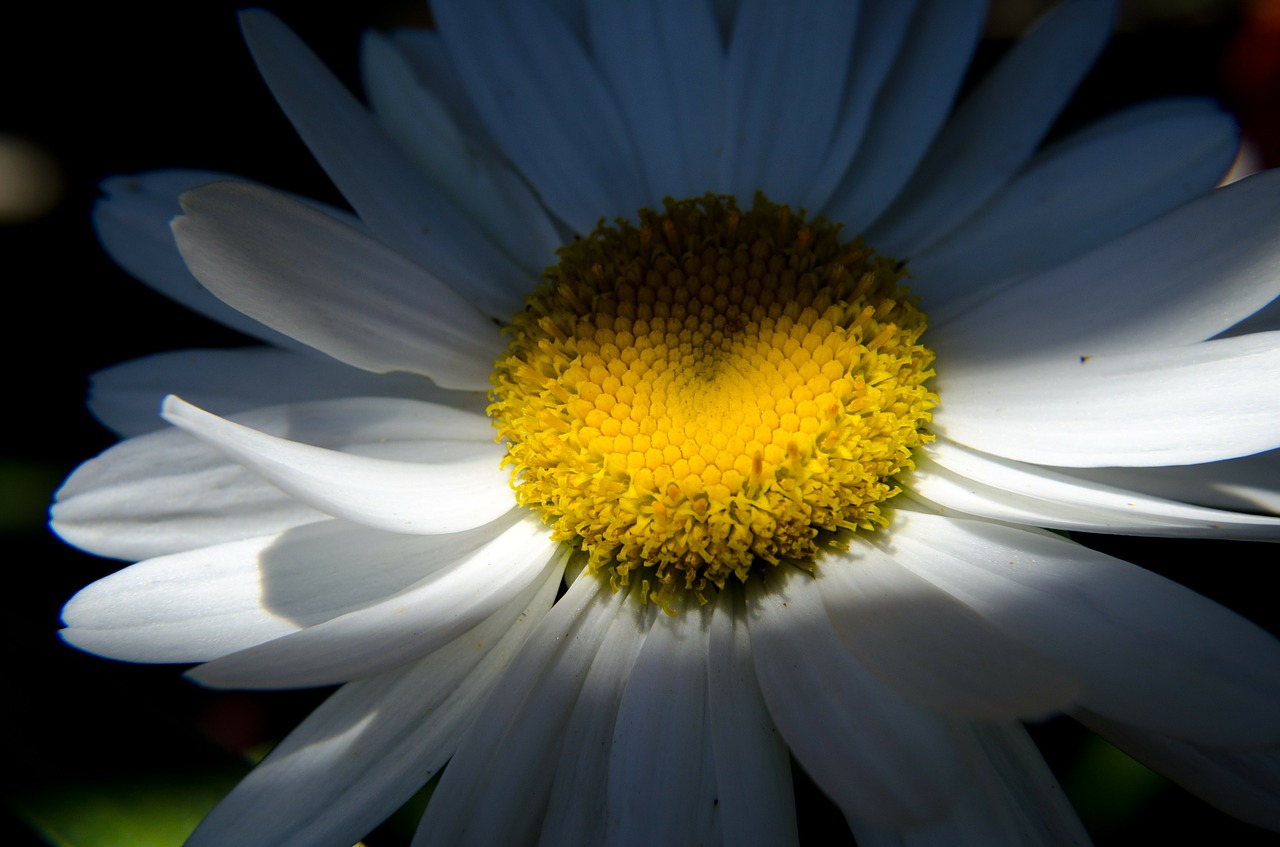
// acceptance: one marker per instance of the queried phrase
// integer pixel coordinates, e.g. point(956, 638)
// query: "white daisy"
point(796, 539)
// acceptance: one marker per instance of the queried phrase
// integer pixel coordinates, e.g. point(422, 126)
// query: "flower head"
point(790, 368)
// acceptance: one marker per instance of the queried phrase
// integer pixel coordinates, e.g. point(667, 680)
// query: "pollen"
point(712, 392)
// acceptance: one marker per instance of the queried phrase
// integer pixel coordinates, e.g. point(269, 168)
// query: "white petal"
point(752, 763)
point(665, 64)
point(657, 755)
point(371, 745)
point(1182, 278)
point(467, 578)
point(781, 104)
point(577, 812)
point(880, 757)
point(398, 203)
point(332, 287)
point(912, 104)
point(132, 222)
point(881, 31)
point(415, 497)
point(203, 604)
point(127, 397)
point(996, 127)
point(961, 480)
point(490, 793)
point(475, 178)
point(931, 647)
point(1010, 799)
point(166, 492)
point(1150, 652)
point(1247, 484)
point(543, 100)
point(1199, 403)
point(1141, 163)
point(1243, 783)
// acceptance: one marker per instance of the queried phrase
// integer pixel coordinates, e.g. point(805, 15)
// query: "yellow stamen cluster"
point(709, 391)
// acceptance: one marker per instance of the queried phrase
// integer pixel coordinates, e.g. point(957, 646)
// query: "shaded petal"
point(929, 646)
point(467, 578)
point(1010, 799)
point(911, 106)
point(546, 105)
point(1150, 652)
point(578, 810)
point(132, 223)
point(658, 757)
point(402, 206)
point(448, 495)
point(1141, 162)
point(1243, 783)
point(880, 757)
point(486, 795)
point(475, 178)
point(1182, 278)
point(372, 744)
point(1248, 484)
point(881, 31)
point(127, 397)
point(781, 106)
point(1199, 403)
point(752, 763)
point(664, 62)
point(332, 287)
point(961, 480)
point(996, 127)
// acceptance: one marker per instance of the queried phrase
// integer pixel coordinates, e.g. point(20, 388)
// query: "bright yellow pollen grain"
point(711, 391)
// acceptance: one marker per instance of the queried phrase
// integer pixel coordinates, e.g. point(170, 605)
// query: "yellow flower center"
point(711, 392)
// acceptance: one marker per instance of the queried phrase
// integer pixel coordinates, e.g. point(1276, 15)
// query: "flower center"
point(711, 392)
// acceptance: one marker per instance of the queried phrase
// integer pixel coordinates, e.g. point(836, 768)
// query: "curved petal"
point(1141, 163)
point(781, 106)
point(1182, 278)
point(1010, 799)
point(402, 206)
point(881, 32)
point(665, 63)
point(463, 585)
point(486, 796)
point(1150, 652)
point(1243, 783)
point(127, 397)
point(752, 763)
point(132, 222)
point(657, 756)
point(166, 492)
point(475, 178)
point(911, 107)
point(960, 480)
point(544, 102)
point(414, 497)
point(929, 646)
point(1200, 403)
point(371, 745)
point(996, 127)
point(208, 603)
point(1247, 484)
point(332, 287)
point(880, 757)
point(578, 809)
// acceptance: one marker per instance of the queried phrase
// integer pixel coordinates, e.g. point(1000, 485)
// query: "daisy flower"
point(694, 389)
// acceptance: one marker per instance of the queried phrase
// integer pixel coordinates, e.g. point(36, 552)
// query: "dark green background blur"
point(105, 89)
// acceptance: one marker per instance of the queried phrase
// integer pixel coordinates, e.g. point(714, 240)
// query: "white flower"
point(1105, 362)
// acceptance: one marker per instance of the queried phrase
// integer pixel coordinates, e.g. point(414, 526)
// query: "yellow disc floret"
point(707, 392)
